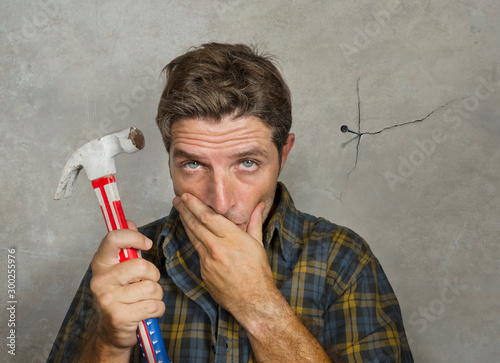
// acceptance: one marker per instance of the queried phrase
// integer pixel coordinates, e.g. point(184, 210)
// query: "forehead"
point(229, 133)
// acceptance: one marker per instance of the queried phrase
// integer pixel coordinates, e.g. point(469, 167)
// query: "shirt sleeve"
point(76, 326)
point(364, 323)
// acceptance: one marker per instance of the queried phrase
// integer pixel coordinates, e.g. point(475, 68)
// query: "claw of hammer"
point(97, 157)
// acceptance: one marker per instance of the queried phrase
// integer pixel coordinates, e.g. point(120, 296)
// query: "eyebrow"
point(252, 153)
point(179, 153)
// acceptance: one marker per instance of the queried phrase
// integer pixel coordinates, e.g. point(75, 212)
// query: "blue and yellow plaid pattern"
point(326, 272)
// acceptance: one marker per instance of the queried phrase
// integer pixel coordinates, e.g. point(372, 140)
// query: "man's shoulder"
point(334, 253)
point(322, 228)
point(340, 245)
point(322, 238)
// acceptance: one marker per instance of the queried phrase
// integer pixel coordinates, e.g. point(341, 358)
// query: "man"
point(235, 272)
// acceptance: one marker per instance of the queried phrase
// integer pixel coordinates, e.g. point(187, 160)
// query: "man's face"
point(231, 166)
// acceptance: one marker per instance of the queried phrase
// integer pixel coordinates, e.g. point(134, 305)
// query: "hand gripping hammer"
point(97, 157)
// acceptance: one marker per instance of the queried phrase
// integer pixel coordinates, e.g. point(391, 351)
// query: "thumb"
point(254, 228)
point(131, 225)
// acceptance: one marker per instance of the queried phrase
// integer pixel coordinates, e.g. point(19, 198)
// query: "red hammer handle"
point(112, 211)
point(148, 331)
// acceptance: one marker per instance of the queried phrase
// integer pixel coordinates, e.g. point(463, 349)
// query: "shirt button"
point(213, 348)
point(227, 347)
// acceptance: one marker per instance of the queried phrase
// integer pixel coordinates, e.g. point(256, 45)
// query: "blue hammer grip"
point(151, 341)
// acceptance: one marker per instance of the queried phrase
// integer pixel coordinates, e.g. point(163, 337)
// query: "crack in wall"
point(358, 137)
point(382, 130)
point(414, 121)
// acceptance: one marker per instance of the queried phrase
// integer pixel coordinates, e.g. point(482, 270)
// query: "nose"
point(222, 196)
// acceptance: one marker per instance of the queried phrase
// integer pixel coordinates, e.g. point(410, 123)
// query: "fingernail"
point(149, 243)
point(176, 201)
point(184, 197)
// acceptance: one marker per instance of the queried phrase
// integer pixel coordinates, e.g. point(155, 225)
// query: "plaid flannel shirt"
point(326, 272)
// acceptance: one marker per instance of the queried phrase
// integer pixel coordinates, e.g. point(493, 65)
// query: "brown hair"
point(218, 80)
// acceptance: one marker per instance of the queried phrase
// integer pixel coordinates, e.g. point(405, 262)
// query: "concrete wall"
point(421, 79)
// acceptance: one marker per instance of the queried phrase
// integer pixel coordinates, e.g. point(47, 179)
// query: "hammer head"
point(97, 157)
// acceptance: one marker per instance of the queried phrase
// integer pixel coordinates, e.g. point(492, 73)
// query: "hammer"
point(97, 157)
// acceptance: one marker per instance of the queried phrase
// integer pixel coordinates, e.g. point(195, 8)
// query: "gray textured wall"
point(425, 194)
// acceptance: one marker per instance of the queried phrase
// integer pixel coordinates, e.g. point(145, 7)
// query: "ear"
point(286, 149)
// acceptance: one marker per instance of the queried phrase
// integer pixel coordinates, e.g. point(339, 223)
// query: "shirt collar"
point(173, 235)
point(284, 222)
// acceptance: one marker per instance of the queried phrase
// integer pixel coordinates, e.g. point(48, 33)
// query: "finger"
point(254, 227)
point(127, 316)
point(196, 216)
point(205, 216)
point(123, 274)
point(197, 244)
point(149, 309)
point(131, 225)
point(146, 290)
point(143, 310)
point(140, 291)
point(108, 252)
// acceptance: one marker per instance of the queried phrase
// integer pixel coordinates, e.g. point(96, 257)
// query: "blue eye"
point(248, 163)
point(192, 165)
